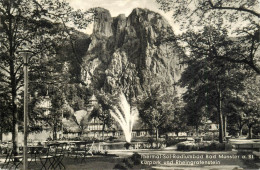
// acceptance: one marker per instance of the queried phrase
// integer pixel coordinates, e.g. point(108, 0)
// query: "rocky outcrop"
point(132, 53)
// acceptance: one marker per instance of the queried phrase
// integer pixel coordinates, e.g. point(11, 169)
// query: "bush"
point(120, 166)
point(111, 138)
point(151, 141)
point(180, 147)
point(128, 163)
point(212, 146)
point(136, 158)
point(172, 141)
point(127, 145)
point(207, 138)
point(195, 148)
point(204, 147)
point(228, 147)
point(220, 147)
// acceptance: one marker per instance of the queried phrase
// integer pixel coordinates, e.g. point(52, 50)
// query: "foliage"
point(120, 166)
point(204, 147)
point(155, 108)
point(136, 158)
point(129, 163)
point(227, 14)
point(173, 141)
point(177, 120)
point(5, 114)
point(246, 111)
point(77, 96)
point(127, 145)
point(77, 121)
point(37, 28)
point(101, 110)
point(216, 82)
point(252, 105)
point(198, 12)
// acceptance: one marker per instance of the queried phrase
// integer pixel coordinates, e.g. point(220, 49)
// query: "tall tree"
point(36, 27)
point(102, 110)
point(177, 121)
point(251, 97)
point(154, 108)
point(215, 80)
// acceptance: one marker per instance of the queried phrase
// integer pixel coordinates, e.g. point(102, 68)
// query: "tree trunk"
point(13, 83)
point(15, 119)
point(225, 126)
point(94, 126)
point(1, 128)
point(81, 131)
point(220, 115)
point(250, 132)
point(157, 135)
point(1, 133)
point(103, 129)
point(54, 132)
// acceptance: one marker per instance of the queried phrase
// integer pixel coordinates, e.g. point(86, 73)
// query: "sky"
point(117, 7)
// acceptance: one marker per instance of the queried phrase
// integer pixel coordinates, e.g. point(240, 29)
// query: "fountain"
point(125, 115)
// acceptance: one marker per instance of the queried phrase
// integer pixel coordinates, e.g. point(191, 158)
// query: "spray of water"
point(125, 115)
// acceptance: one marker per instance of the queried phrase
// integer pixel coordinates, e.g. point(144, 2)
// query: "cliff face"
point(132, 53)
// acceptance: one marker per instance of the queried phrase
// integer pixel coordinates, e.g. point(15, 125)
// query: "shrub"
point(120, 166)
point(127, 145)
point(204, 147)
point(128, 162)
point(151, 141)
point(136, 158)
point(195, 147)
point(207, 138)
point(189, 147)
point(212, 146)
point(111, 138)
point(156, 144)
point(171, 141)
point(220, 147)
point(228, 147)
point(180, 147)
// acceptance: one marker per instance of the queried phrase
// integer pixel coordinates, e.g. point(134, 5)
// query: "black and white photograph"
point(130, 84)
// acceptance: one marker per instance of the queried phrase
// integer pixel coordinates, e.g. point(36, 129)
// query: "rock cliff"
point(132, 53)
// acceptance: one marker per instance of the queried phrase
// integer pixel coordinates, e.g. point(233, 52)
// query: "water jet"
point(125, 115)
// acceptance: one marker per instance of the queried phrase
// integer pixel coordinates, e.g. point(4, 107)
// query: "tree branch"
point(234, 8)
point(243, 61)
point(3, 68)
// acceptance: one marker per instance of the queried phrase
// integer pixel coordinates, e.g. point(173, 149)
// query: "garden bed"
point(203, 146)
